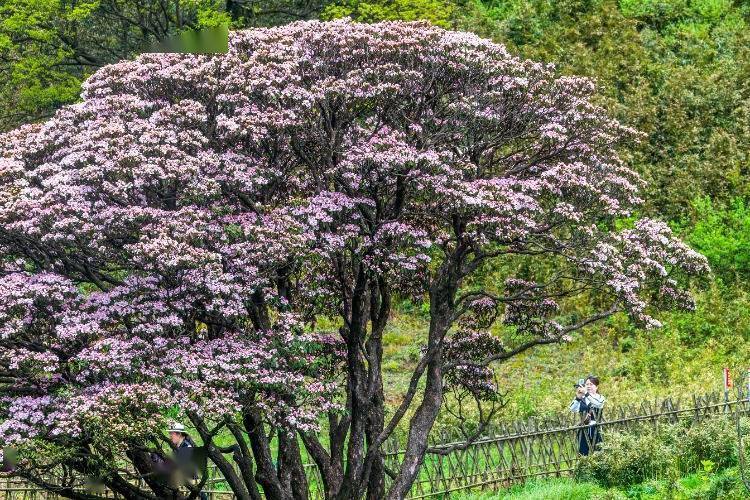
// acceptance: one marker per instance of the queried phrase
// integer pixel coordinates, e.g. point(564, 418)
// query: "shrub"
point(725, 486)
point(711, 440)
point(627, 458)
point(630, 458)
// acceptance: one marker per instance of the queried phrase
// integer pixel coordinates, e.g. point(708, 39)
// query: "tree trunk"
point(145, 466)
point(242, 458)
point(442, 308)
point(236, 484)
point(375, 424)
point(419, 430)
point(265, 474)
point(351, 488)
point(290, 465)
point(380, 308)
point(357, 390)
point(338, 429)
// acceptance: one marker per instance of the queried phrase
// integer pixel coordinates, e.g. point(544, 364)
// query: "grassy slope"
point(683, 358)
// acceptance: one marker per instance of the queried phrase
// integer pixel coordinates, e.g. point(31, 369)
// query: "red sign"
point(727, 379)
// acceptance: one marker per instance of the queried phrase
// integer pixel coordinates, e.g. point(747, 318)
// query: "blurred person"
point(188, 460)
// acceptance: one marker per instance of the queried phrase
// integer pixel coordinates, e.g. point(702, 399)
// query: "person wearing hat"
point(185, 456)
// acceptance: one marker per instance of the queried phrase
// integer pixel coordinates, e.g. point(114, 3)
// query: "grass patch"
point(557, 489)
point(722, 485)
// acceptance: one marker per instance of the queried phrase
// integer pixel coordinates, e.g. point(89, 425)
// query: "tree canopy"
point(171, 242)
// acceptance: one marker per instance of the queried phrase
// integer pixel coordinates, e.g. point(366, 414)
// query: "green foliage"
point(438, 12)
point(647, 454)
point(48, 47)
point(721, 323)
point(707, 484)
point(671, 11)
point(723, 236)
point(627, 459)
point(655, 11)
point(561, 489)
point(676, 70)
point(726, 485)
point(709, 445)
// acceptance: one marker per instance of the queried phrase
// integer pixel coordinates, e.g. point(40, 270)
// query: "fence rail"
point(507, 454)
point(548, 448)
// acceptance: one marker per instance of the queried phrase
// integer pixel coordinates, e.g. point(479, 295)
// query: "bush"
point(712, 440)
point(726, 486)
point(627, 458)
point(634, 457)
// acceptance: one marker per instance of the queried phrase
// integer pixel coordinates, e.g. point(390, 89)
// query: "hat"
point(176, 427)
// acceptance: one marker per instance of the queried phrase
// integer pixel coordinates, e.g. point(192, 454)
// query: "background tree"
point(48, 47)
point(675, 70)
point(438, 12)
point(214, 207)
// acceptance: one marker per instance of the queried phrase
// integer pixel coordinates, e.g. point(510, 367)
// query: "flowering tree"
point(170, 241)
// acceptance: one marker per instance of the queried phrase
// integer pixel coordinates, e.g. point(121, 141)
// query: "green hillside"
point(685, 357)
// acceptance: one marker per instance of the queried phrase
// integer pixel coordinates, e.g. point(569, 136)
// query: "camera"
point(581, 382)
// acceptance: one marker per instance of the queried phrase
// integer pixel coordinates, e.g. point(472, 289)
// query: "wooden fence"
point(507, 454)
point(549, 448)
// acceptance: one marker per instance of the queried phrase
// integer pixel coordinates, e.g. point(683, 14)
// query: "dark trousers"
point(589, 438)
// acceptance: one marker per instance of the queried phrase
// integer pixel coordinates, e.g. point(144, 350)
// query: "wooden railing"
point(506, 454)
